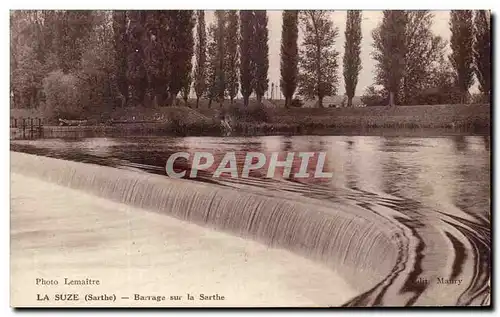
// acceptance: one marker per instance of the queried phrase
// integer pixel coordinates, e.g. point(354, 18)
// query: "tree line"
point(411, 62)
point(73, 62)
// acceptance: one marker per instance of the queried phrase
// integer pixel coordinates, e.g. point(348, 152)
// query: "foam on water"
point(132, 251)
point(375, 247)
point(349, 242)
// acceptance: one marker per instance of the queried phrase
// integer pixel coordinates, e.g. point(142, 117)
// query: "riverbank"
point(273, 120)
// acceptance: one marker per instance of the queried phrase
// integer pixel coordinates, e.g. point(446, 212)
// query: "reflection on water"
point(448, 172)
point(436, 171)
point(438, 189)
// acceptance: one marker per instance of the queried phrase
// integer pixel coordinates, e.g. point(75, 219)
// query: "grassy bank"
point(435, 116)
point(181, 120)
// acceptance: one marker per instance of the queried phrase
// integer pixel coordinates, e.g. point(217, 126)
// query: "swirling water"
point(431, 197)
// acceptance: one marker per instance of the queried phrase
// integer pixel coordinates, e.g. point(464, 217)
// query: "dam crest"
point(375, 252)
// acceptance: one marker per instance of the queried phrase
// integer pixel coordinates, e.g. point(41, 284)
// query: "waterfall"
point(363, 247)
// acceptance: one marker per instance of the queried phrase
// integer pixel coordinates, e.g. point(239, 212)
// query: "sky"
point(370, 20)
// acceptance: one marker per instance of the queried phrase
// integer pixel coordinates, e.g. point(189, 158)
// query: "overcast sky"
point(369, 22)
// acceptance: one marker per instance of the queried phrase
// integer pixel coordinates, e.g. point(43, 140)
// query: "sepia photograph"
point(250, 158)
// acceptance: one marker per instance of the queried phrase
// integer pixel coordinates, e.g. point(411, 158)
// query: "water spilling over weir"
point(381, 253)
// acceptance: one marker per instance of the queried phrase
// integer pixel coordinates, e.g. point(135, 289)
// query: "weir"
point(364, 248)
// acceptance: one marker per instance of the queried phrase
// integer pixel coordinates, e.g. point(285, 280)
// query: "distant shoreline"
point(184, 121)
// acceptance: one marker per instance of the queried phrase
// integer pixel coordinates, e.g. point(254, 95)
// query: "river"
point(437, 189)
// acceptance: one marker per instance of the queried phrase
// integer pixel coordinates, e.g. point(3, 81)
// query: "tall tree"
point(462, 58)
point(482, 50)
point(247, 67)
point(136, 71)
point(318, 58)
point(96, 88)
point(201, 57)
point(211, 90)
point(26, 71)
point(352, 51)
point(261, 54)
point(41, 42)
point(120, 55)
point(390, 51)
point(442, 88)
point(186, 89)
point(289, 54)
point(232, 58)
point(220, 70)
point(72, 35)
point(423, 54)
point(157, 55)
point(43, 23)
point(181, 25)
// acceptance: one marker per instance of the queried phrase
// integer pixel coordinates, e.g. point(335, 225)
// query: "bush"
point(61, 96)
point(375, 97)
point(479, 98)
point(438, 96)
point(297, 103)
point(252, 113)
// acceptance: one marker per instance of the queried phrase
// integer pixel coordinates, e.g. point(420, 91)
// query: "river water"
point(436, 188)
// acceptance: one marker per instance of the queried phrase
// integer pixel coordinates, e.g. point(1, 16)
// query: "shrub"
point(479, 98)
point(61, 96)
point(374, 97)
point(252, 113)
point(297, 103)
point(438, 96)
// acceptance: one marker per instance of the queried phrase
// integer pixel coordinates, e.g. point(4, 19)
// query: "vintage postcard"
point(250, 158)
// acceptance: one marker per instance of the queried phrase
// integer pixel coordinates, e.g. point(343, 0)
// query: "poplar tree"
point(352, 52)
point(261, 54)
point(181, 50)
point(220, 81)
point(389, 42)
point(27, 58)
point(120, 55)
point(289, 54)
point(424, 51)
point(201, 57)
point(462, 56)
point(482, 50)
point(72, 31)
point(318, 57)
point(232, 58)
point(157, 54)
point(247, 67)
point(186, 89)
point(211, 89)
point(136, 71)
